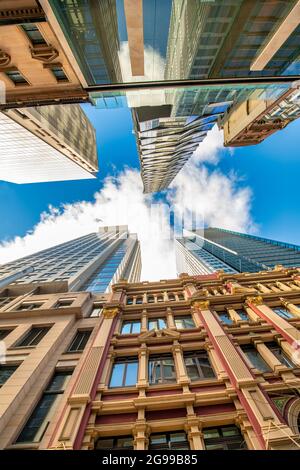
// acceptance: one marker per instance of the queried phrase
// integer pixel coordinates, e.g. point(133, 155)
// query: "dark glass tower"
point(92, 262)
point(211, 249)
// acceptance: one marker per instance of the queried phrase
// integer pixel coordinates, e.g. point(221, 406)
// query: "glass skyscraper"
point(212, 249)
point(92, 262)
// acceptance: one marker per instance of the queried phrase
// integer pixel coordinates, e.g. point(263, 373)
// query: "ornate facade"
point(198, 362)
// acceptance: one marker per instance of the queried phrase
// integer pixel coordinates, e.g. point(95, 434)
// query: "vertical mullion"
point(35, 337)
point(200, 372)
point(124, 375)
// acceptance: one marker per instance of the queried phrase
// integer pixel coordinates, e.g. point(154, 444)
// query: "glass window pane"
point(131, 373)
point(117, 375)
point(136, 327)
point(161, 323)
point(125, 328)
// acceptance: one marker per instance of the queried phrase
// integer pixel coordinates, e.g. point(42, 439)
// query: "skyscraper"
point(166, 143)
point(47, 143)
point(92, 262)
point(212, 249)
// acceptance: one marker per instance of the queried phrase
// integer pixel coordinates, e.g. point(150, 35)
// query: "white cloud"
point(209, 151)
point(210, 194)
point(154, 67)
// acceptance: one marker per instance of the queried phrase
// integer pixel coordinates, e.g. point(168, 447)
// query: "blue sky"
point(270, 169)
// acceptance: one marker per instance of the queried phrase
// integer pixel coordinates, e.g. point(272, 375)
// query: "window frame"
point(160, 358)
point(223, 441)
point(251, 347)
point(39, 335)
point(196, 356)
point(157, 320)
point(84, 339)
point(169, 446)
point(124, 361)
point(131, 323)
point(47, 392)
point(6, 366)
point(183, 318)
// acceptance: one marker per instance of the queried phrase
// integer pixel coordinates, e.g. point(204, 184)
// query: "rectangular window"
point(30, 306)
point(64, 303)
point(283, 312)
point(5, 373)
point(33, 337)
point(184, 322)
point(131, 327)
point(79, 341)
point(123, 442)
point(40, 418)
point(225, 318)
point(198, 366)
point(33, 33)
point(161, 369)
point(59, 73)
point(255, 358)
point(4, 333)
point(96, 312)
point(157, 324)
point(281, 356)
point(124, 373)
point(166, 441)
point(243, 315)
point(16, 77)
point(223, 438)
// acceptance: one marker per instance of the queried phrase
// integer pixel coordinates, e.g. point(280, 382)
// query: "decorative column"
point(283, 286)
point(268, 356)
point(288, 331)
point(142, 371)
point(182, 377)
point(291, 307)
point(141, 431)
point(233, 315)
point(193, 429)
point(251, 314)
point(287, 375)
point(267, 423)
point(144, 325)
point(264, 289)
point(71, 425)
point(170, 319)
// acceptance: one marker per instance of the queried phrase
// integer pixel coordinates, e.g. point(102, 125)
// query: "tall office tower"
point(47, 143)
point(212, 249)
point(225, 38)
point(92, 262)
point(166, 143)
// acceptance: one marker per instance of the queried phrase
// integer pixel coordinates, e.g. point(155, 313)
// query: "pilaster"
point(74, 417)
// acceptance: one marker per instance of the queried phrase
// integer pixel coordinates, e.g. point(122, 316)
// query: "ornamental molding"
point(5, 59)
point(158, 334)
point(258, 300)
point(108, 313)
point(44, 53)
point(201, 304)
